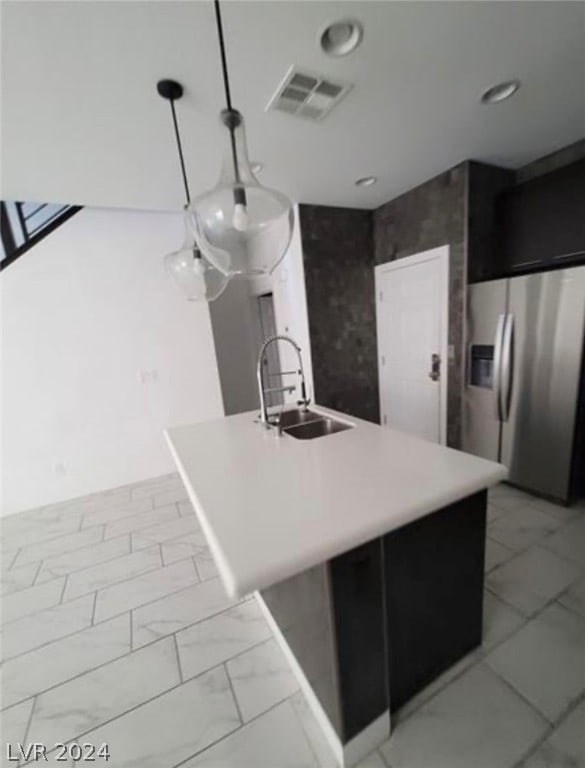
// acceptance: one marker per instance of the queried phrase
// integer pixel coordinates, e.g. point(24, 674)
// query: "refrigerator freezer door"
point(548, 311)
point(486, 308)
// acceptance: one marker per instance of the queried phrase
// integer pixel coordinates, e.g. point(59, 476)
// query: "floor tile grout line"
point(95, 598)
point(233, 692)
point(176, 645)
point(135, 650)
point(69, 634)
point(18, 551)
point(146, 526)
point(87, 567)
point(549, 731)
point(53, 538)
point(65, 552)
point(209, 746)
point(197, 570)
point(44, 560)
point(7, 624)
point(241, 727)
point(539, 610)
point(63, 590)
point(108, 492)
point(153, 492)
point(114, 518)
point(492, 592)
point(30, 717)
point(520, 695)
point(67, 680)
point(68, 508)
point(483, 654)
point(34, 581)
point(149, 700)
point(571, 609)
point(157, 567)
point(535, 545)
point(566, 558)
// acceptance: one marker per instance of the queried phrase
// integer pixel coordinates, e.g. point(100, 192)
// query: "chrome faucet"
point(263, 391)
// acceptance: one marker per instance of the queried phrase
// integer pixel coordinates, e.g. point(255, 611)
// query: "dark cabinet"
point(541, 223)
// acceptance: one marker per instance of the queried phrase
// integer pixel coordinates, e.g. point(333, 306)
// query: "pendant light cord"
point(180, 148)
point(226, 86)
point(226, 82)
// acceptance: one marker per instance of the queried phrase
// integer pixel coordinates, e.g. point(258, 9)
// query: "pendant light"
point(198, 279)
point(240, 222)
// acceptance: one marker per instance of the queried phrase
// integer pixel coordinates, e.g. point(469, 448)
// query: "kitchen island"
point(365, 548)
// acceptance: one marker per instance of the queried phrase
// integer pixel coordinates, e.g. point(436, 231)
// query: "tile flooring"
point(116, 630)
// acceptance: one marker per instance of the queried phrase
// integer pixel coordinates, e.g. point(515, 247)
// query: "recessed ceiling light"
point(500, 92)
point(341, 37)
point(366, 181)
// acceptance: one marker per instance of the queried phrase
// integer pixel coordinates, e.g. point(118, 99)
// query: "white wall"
point(236, 347)
point(290, 305)
point(236, 333)
point(87, 314)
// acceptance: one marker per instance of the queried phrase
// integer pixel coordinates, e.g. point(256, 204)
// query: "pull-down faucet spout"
point(263, 391)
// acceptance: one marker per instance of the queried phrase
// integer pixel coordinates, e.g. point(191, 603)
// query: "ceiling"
point(82, 122)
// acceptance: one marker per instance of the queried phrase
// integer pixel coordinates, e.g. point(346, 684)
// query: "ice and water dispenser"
point(482, 366)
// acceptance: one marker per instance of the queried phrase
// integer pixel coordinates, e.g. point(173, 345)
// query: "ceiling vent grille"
point(307, 94)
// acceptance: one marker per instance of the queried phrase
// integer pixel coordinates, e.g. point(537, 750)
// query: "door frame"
point(440, 254)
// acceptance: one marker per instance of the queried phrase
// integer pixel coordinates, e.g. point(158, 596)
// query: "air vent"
point(307, 95)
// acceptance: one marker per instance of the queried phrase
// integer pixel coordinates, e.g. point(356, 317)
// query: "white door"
point(412, 317)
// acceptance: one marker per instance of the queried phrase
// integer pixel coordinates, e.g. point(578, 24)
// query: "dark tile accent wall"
point(339, 279)
point(428, 216)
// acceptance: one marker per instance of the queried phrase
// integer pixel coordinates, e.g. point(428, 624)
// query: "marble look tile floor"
point(115, 629)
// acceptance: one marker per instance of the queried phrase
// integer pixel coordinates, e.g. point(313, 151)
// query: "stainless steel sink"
point(297, 416)
point(319, 428)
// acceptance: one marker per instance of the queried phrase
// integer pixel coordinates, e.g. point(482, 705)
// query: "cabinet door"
point(543, 221)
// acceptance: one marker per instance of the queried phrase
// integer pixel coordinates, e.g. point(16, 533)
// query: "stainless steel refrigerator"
point(523, 380)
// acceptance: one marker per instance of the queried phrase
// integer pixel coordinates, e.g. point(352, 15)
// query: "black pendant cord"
point(180, 149)
point(226, 86)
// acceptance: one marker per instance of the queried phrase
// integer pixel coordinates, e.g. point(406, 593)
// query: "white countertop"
point(273, 506)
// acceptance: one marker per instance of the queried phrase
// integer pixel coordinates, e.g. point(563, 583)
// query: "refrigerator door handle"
point(507, 376)
point(497, 373)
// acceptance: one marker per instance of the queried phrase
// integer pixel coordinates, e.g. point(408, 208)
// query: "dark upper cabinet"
point(541, 223)
point(486, 183)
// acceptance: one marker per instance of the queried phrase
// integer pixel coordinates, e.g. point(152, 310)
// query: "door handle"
point(497, 371)
point(435, 372)
point(507, 366)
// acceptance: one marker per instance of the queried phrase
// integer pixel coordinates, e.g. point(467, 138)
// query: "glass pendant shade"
point(241, 227)
point(198, 279)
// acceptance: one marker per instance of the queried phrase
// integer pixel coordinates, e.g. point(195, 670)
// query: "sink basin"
point(297, 416)
point(319, 428)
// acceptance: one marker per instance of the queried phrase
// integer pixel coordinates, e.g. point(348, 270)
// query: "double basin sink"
point(307, 425)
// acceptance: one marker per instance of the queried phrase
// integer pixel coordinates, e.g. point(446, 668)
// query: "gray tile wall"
point(342, 245)
point(339, 278)
point(428, 216)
